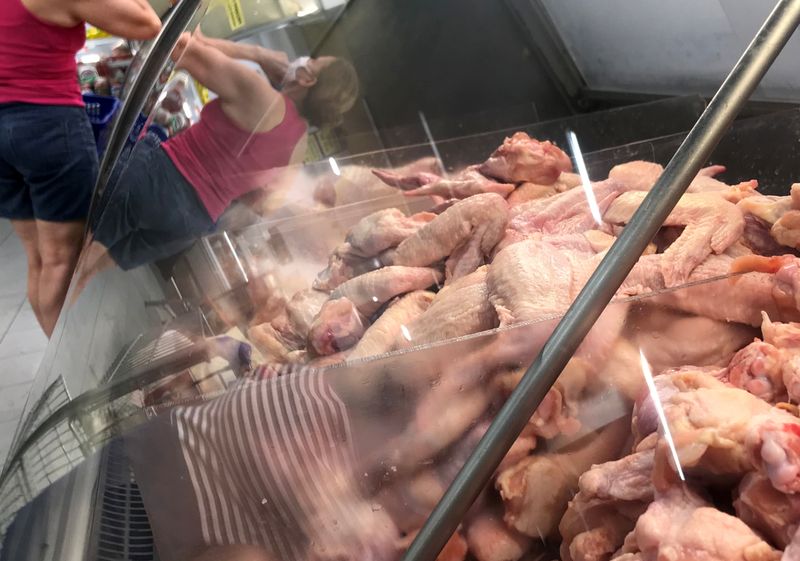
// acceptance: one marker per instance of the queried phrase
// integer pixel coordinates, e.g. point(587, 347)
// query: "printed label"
point(235, 14)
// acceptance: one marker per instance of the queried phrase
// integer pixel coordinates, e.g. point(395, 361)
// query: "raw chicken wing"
point(459, 309)
point(464, 234)
point(381, 230)
point(465, 184)
point(711, 226)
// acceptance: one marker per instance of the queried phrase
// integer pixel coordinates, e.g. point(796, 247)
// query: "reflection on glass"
point(172, 193)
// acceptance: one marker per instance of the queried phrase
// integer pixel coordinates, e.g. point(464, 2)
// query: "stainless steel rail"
point(154, 63)
point(598, 292)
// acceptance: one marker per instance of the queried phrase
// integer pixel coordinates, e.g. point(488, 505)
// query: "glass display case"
point(289, 330)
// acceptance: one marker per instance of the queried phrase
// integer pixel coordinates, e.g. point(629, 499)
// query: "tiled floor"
point(22, 342)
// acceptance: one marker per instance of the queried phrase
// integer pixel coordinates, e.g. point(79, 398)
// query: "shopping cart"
point(101, 110)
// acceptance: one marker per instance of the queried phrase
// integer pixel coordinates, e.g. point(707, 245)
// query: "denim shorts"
point(151, 212)
point(48, 162)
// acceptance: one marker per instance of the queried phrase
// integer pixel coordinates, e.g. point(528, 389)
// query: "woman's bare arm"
point(246, 96)
point(129, 19)
point(273, 63)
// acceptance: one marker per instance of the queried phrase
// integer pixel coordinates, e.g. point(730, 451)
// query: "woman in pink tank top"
point(48, 159)
point(170, 194)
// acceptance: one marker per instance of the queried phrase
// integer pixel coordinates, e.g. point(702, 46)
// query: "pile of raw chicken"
point(510, 242)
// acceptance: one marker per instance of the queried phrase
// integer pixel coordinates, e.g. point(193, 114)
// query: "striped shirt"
point(271, 463)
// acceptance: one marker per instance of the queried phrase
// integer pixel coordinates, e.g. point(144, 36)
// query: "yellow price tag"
point(93, 33)
point(235, 14)
point(202, 91)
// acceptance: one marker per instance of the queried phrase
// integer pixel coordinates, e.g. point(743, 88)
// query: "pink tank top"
point(223, 162)
point(37, 59)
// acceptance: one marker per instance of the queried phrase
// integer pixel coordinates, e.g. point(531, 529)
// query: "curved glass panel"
point(297, 312)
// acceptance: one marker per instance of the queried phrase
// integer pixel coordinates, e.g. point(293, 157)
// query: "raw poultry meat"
point(381, 230)
point(532, 280)
point(489, 539)
point(381, 336)
point(269, 342)
point(611, 496)
point(516, 264)
point(757, 236)
point(356, 183)
point(566, 213)
point(558, 411)
point(459, 309)
point(776, 515)
point(739, 300)
point(530, 192)
point(338, 326)
point(679, 526)
point(773, 442)
point(366, 243)
point(464, 234)
point(784, 280)
point(670, 338)
point(711, 225)
point(709, 424)
point(780, 214)
point(721, 433)
point(769, 368)
point(641, 176)
point(462, 185)
point(372, 290)
point(342, 268)
point(536, 491)
point(521, 158)
point(301, 310)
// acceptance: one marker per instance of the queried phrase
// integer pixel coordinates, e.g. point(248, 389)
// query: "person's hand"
point(180, 47)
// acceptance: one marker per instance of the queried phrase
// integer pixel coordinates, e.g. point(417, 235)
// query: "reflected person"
point(171, 194)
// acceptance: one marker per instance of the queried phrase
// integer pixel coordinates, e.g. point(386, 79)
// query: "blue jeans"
point(151, 212)
point(48, 162)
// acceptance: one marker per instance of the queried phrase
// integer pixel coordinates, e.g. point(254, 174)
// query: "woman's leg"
point(94, 259)
point(26, 231)
point(59, 245)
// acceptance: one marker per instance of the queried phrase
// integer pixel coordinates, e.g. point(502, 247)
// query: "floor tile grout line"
point(8, 235)
point(19, 309)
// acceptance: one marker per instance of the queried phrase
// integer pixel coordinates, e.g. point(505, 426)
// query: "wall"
point(680, 46)
point(458, 61)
